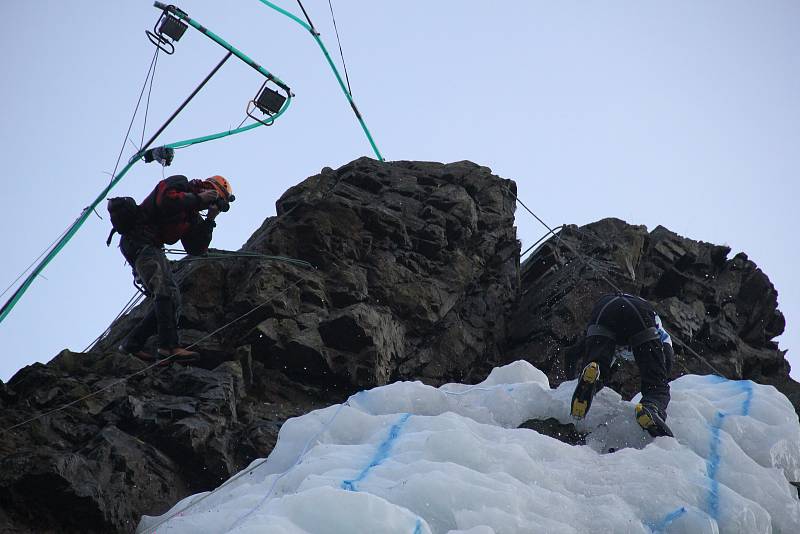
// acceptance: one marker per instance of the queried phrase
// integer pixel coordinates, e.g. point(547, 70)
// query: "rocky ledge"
point(723, 308)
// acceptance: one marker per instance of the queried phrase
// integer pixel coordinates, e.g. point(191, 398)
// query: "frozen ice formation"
point(410, 458)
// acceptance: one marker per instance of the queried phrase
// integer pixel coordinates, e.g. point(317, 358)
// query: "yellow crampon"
point(584, 391)
point(651, 421)
point(643, 417)
point(579, 409)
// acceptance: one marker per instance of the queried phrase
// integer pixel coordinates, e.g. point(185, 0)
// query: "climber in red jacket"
point(171, 212)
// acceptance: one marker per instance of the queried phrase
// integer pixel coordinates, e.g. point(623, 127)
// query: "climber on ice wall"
point(619, 319)
point(171, 212)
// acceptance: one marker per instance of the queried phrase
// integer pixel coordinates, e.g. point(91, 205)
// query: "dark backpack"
point(124, 214)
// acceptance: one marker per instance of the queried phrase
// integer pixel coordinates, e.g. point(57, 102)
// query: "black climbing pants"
point(625, 316)
point(651, 358)
point(152, 268)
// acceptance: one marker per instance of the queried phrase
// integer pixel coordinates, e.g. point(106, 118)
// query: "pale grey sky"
point(685, 114)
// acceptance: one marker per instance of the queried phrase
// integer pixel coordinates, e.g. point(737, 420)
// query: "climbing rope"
point(583, 259)
point(28, 268)
point(132, 303)
point(147, 104)
point(217, 255)
point(341, 54)
point(150, 70)
point(540, 240)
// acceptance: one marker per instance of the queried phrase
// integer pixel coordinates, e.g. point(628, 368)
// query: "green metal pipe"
point(226, 133)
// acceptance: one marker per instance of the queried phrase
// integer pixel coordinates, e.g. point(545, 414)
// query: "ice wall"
point(410, 458)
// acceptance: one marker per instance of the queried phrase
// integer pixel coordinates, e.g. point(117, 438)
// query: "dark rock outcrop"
point(724, 309)
point(557, 430)
point(417, 277)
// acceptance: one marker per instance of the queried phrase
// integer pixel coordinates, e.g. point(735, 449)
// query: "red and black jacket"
point(171, 213)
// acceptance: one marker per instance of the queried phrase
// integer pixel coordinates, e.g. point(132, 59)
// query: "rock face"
point(417, 272)
point(416, 276)
point(724, 309)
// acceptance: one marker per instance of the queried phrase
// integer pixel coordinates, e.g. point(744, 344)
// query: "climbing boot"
point(177, 355)
point(167, 324)
point(584, 392)
point(138, 353)
point(651, 419)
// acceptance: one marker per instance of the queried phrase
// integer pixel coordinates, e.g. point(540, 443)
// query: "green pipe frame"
point(9, 305)
point(224, 44)
point(315, 35)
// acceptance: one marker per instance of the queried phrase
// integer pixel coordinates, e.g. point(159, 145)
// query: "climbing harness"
point(639, 338)
point(600, 330)
point(648, 333)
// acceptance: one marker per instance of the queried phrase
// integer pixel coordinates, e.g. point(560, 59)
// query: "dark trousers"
point(653, 361)
point(152, 268)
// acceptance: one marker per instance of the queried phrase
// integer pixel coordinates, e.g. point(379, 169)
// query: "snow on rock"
point(410, 458)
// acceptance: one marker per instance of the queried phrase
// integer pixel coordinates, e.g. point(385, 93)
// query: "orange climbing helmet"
point(221, 186)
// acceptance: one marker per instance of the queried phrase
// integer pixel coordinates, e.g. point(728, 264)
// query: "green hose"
point(212, 137)
point(333, 68)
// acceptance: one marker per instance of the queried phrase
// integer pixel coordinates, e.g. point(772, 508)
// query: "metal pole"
point(185, 102)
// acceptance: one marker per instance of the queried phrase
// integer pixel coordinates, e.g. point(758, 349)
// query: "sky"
point(684, 114)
